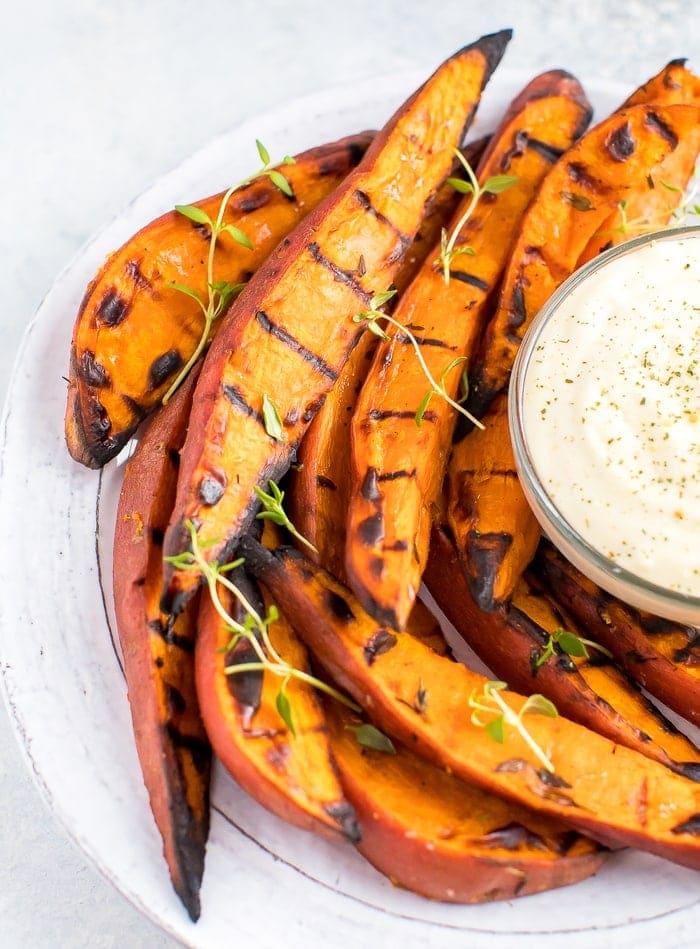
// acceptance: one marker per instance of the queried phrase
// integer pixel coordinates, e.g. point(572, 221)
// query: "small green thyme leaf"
point(239, 236)
point(188, 291)
point(279, 181)
point(262, 152)
point(539, 705)
point(284, 707)
point(194, 214)
point(422, 408)
point(496, 729)
point(498, 183)
point(272, 420)
point(572, 645)
point(370, 737)
point(578, 201)
point(460, 185)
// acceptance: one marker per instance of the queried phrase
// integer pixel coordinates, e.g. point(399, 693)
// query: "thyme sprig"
point(220, 293)
point(493, 185)
point(372, 315)
point(640, 225)
point(275, 512)
point(490, 702)
point(254, 629)
point(569, 643)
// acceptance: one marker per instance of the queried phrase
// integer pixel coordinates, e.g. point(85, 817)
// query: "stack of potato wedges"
point(392, 490)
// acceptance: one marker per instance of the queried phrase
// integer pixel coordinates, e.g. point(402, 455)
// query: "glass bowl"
point(581, 551)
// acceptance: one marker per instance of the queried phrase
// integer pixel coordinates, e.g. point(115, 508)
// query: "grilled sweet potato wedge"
point(134, 331)
point(398, 464)
point(576, 198)
point(172, 745)
point(662, 656)
point(438, 836)
point(651, 207)
point(320, 482)
point(494, 530)
point(291, 775)
point(591, 691)
point(289, 333)
point(598, 787)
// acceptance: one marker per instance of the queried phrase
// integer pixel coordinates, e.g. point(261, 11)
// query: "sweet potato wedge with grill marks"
point(291, 775)
point(438, 836)
point(319, 483)
point(662, 656)
point(576, 198)
point(398, 466)
point(593, 692)
point(598, 787)
point(493, 527)
point(290, 332)
point(172, 745)
point(651, 207)
point(134, 332)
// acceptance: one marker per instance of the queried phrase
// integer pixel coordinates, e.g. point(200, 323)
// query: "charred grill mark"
point(551, 780)
point(237, 399)
point(620, 143)
point(163, 367)
point(689, 769)
point(423, 341)
point(580, 175)
point(157, 536)
point(369, 489)
point(376, 567)
point(690, 654)
point(91, 372)
point(210, 490)
point(338, 606)
point(654, 121)
point(512, 837)
point(517, 311)
point(365, 203)
point(379, 415)
point(172, 638)
point(203, 230)
point(344, 815)
point(520, 142)
point(197, 747)
point(314, 360)
point(498, 472)
point(371, 530)
point(346, 277)
point(324, 482)
point(313, 408)
point(175, 700)
point(379, 643)
point(253, 201)
point(471, 279)
point(485, 553)
point(398, 546)
point(396, 475)
point(548, 152)
point(133, 270)
point(245, 687)
point(690, 826)
point(113, 309)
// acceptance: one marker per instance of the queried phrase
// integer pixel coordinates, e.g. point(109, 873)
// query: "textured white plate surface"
point(265, 884)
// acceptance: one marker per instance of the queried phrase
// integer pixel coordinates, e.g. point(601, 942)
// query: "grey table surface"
point(99, 99)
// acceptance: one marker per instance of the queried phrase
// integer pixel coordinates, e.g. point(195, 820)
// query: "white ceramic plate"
point(265, 884)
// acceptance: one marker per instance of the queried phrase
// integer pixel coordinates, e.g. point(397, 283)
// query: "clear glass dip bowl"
point(579, 550)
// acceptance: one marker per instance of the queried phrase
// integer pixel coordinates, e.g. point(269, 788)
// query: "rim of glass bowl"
point(667, 603)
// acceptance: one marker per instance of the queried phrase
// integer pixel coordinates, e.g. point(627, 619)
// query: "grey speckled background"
point(96, 101)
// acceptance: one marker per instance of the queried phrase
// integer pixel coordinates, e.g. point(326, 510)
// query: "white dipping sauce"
point(611, 411)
